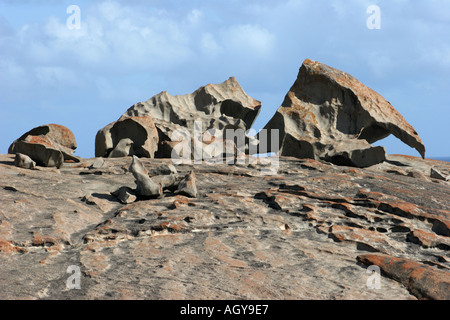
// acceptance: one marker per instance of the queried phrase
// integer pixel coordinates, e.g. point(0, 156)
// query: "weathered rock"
point(146, 187)
point(24, 161)
point(168, 182)
point(122, 149)
point(98, 163)
point(125, 195)
point(328, 114)
point(429, 240)
point(54, 132)
point(424, 281)
point(434, 173)
point(296, 234)
point(51, 138)
point(41, 150)
point(140, 130)
point(164, 169)
point(188, 186)
point(214, 107)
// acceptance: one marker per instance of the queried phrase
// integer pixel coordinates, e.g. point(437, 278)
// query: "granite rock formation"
point(114, 139)
point(309, 231)
point(24, 161)
point(48, 145)
point(328, 114)
point(214, 107)
point(293, 226)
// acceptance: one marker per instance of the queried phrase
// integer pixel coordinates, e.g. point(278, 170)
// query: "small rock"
point(437, 175)
point(122, 149)
point(146, 187)
point(88, 199)
point(24, 161)
point(125, 195)
point(164, 169)
point(168, 182)
point(98, 163)
point(188, 186)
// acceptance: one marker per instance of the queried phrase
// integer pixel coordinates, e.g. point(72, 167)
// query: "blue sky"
point(127, 51)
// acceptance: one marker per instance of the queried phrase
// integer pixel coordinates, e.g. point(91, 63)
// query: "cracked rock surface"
point(308, 231)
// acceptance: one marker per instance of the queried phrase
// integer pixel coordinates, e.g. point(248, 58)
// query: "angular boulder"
point(48, 145)
point(328, 114)
point(146, 187)
point(214, 107)
point(188, 186)
point(114, 139)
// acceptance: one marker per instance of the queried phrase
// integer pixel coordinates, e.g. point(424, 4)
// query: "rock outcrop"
point(215, 107)
point(310, 230)
point(24, 161)
point(127, 136)
point(48, 145)
point(286, 227)
point(146, 187)
point(328, 114)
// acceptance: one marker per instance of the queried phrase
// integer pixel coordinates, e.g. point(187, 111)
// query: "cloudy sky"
point(127, 51)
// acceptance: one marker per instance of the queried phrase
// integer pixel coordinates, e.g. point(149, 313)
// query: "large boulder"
point(328, 114)
point(213, 108)
point(48, 145)
point(130, 135)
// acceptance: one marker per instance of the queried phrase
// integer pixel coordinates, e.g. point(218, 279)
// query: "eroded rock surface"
point(215, 107)
point(126, 137)
point(48, 145)
point(309, 231)
point(328, 114)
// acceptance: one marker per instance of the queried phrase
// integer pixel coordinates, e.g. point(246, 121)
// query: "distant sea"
point(440, 158)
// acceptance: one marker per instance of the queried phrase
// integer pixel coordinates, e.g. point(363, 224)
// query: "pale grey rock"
point(215, 107)
point(146, 187)
point(122, 149)
point(24, 161)
point(98, 163)
point(168, 182)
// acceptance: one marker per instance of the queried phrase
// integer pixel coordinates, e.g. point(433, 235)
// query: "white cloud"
point(248, 39)
point(209, 45)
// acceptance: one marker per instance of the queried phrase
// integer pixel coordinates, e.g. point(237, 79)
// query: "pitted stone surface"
point(307, 232)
